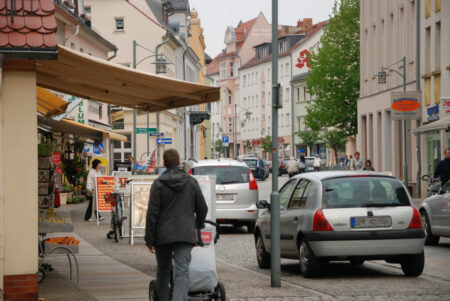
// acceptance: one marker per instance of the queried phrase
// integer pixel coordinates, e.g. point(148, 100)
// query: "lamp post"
point(382, 80)
point(161, 67)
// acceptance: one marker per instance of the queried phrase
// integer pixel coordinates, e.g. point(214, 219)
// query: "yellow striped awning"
point(48, 104)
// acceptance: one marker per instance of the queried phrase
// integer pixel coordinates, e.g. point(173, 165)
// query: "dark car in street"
point(252, 163)
point(282, 169)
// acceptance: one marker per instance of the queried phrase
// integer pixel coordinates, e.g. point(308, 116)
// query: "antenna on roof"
point(240, 23)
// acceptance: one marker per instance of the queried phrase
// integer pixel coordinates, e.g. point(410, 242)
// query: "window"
point(300, 195)
point(427, 8)
point(287, 95)
point(437, 6)
point(122, 149)
point(427, 50)
point(231, 69)
point(281, 70)
point(120, 25)
point(437, 88)
point(286, 69)
point(287, 119)
point(427, 91)
point(263, 89)
point(87, 10)
point(269, 74)
point(224, 174)
point(244, 83)
point(223, 70)
point(285, 194)
point(229, 97)
point(437, 47)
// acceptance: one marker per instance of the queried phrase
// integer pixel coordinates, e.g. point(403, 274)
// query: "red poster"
point(56, 159)
point(103, 189)
point(59, 170)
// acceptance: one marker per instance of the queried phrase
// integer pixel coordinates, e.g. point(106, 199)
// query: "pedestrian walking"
point(302, 164)
point(368, 166)
point(292, 167)
point(260, 167)
point(317, 163)
point(442, 170)
point(176, 209)
point(358, 162)
point(350, 163)
point(90, 186)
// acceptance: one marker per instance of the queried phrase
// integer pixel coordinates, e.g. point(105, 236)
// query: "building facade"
point(387, 35)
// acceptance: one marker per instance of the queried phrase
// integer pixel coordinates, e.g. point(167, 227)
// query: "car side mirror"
point(262, 204)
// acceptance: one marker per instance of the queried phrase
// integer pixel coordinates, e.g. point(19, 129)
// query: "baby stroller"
point(204, 284)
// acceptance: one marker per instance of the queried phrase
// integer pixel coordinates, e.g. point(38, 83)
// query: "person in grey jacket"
point(176, 209)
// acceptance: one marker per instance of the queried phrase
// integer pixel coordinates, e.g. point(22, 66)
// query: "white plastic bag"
point(202, 270)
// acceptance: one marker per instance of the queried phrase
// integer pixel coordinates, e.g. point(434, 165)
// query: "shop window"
point(437, 88)
point(127, 144)
point(117, 144)
point(120, 25)
point(427, 8)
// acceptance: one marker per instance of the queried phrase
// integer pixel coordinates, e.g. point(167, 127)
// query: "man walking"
point(260, 168)
point(442, 170)
point(176, 209)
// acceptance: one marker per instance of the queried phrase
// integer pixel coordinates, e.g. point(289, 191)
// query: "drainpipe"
point(113, 56)
point(157, 113)
point(77, 31)
point(184, 113)
point(2, 196)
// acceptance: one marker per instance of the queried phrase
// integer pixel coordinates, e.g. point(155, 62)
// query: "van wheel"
point(262, 256)
point(412, 265)
point(310, 265)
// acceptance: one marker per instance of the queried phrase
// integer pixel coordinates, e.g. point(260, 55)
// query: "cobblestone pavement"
point(243, 280)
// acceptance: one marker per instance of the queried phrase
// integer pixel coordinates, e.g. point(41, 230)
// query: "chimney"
point(307, 24)
point(299, 23)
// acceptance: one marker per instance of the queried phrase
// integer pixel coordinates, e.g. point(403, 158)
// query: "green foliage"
point(309, 138)
point(335, 140)
point(334, 74)
point(219, 146)
point(266, 144)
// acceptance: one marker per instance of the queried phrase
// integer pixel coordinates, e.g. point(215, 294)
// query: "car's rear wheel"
point(430, 239)
point(310, 265)
point(357, 261)
point(412, 265)
point(262, 256)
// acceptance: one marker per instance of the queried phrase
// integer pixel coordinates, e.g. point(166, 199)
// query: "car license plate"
point(371, 222)
point(224, 197)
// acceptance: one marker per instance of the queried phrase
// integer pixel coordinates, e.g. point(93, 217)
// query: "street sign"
point(164, 141)
point(405, 105)
point(145, 130)
point(225, 139)
point(156, 134)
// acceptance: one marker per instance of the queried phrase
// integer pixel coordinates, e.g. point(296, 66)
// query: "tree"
point(266, 144)
point(309, 138)
point(335, 140)
point(219, 146)
point(334, 74)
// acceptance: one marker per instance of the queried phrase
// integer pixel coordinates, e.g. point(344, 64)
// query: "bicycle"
point(434, 185)
point(116, 200)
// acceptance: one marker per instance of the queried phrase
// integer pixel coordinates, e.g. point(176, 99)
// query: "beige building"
point(387, 35)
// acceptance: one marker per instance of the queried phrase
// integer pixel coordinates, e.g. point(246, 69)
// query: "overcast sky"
point(216, 15)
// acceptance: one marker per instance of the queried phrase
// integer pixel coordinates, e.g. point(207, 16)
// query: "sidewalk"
point(101, 277)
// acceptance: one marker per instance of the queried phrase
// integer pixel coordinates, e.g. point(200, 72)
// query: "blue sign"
point(433, 113)
point(225, 139)
point(301, 150)
point(164, 141)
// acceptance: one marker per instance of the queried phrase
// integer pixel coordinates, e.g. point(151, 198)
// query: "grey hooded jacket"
point(175, 209)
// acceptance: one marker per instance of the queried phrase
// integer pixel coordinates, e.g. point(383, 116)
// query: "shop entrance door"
point(434, 151)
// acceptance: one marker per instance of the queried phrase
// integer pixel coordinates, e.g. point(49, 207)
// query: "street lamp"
point(382, 80)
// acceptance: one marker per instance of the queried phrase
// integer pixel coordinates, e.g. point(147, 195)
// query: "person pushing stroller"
point(176, 209)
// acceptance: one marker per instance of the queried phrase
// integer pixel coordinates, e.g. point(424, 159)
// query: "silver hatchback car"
point(344, 215)
point(236, 190)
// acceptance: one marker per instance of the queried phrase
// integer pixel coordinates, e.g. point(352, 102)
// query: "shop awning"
point(48, 104)
point(88, 77)
point(441, 124)
point(71, 127)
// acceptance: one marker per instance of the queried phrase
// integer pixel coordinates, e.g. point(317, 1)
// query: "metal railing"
point(12, 11)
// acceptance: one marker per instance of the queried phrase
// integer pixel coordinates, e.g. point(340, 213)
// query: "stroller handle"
point(199, 233)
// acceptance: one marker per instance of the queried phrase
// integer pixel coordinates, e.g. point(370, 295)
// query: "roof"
point(213, 67)
point(324, 175)
point(89, 77)
point(28, 29)
point(48, 104)
point(300, 76)
point(316, 27)
point(242, 31)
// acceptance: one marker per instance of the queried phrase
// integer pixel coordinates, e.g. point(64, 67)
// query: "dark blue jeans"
point(181, 254)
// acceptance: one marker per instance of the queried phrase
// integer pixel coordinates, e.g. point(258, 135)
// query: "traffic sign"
point(164, 141)
point(156, 134)
point(225, 139)
point(145, 130)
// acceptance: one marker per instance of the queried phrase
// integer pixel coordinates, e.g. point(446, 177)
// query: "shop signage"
point(301, 150)
point(446, 105)
point(59, 170)
point(122, 165)
point(405, 105)
point(433, 113)
point(303, 60)
point(156, 134)
point(98, 149)
point(145, 130)
point(56, 159)
point(103, 165)
point(101, 190)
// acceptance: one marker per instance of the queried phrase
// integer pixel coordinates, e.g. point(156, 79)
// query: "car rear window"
point(309, 162)
point(250, 163)
point(224, 174)
point(366, 191)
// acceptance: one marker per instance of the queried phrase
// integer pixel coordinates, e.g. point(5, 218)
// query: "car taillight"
point(416, 220)
point(252, 181)
point(320, 223)
point(190, 172)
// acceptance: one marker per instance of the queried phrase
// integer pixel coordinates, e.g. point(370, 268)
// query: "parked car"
point(435, 212)
point(282, 170)
point(251, 163)
point(236, 190)
point(343, 215)
point(309, 162)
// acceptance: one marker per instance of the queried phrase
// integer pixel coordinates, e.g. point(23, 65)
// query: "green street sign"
point(145, 130)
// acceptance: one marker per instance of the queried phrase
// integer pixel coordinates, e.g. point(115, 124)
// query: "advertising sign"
point(446, 105)
point(101, 190)
point(56, 159)
point(103, 163)
point(406, 105)
point(122, 165)
point(140, 193)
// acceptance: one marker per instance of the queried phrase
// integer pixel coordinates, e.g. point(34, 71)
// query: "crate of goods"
point(43, 188)
point(68, 242)
point(44, 176)
point(44, 163)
